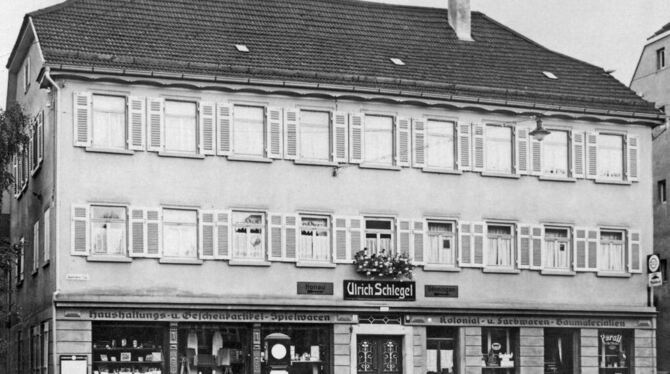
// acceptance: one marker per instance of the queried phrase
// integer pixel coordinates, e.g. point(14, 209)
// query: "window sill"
point(380, 167)
point(314, 264)
point(556, 179)
point(180, 155)
point(436, 267)
point(442, 171)
point(46, 263)
point(108, 258)
point(613, 274)
point(501, 270)
point(565, 272)
point(315, 163)
point(612, 181)
point(499, 175)
point(37, 169)
point(35, 271)
point(242, 262)
point(110, 150)
point(249, 158)
point(180, 261)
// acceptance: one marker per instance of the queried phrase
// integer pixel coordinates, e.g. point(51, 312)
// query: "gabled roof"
point(346, 42)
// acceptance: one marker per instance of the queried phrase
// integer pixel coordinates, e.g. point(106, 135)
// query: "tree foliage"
point(14, 126)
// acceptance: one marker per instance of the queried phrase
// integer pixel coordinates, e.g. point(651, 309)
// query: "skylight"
point(397, 61)
point(549, 75)
point(242, 48)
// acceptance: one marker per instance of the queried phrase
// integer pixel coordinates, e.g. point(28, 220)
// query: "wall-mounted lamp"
point(539, 132)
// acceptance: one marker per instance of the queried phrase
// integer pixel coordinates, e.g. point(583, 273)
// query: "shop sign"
point(520, 321)
point(440, 291)
point(196, 315)
point(379, 290)
point(612, 341)
point(315, 288)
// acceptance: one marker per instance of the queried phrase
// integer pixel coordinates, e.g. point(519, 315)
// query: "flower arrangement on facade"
point(383, 265)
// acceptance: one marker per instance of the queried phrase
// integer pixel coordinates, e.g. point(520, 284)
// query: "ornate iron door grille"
point(379, 354)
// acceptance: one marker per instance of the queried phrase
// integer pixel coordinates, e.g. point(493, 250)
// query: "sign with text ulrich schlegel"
point(379, 290)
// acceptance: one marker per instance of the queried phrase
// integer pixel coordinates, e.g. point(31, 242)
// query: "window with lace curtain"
point(181, 127)
point(610, 157)
point(498, 149)
point(249, 235)
point(314, 239)
point(378, 139)
point(379, 235)
point(441, 245)
point(555, 154)
point(440, 151)
point(108, 230)
point(108, 128)
point(500, 249)
point(314, 136)
point(557, 248)
point(180, 233)
point(612, 251)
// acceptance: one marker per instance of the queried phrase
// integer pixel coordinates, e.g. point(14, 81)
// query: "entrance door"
point(379, 354)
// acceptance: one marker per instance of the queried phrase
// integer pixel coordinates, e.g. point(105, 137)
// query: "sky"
point(605, 33)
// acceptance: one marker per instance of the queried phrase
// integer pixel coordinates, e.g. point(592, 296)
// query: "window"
point(311, 348)
point(557, 248)
point(560, 355)
point(441, 243)
point(440, 151)
point(34, 147)
point(249, 235)
point(314, 239)
point(662, 197)
point(35, 354)
point(555, 157)
point(615, 351)
point(610, 156)
point(20, 261)
point(500, 250)
point(36, 246)
point(314, 135)
point(109, 122)
point(44, 348)
point(612, 254)
point(442, 352)
point(378, 138)
point(248, 134)
point(26, 75)
point(180, 127)
point(660, 58)
point(108, 230)
point(379, 236)
point(499, 349)
point(498, 149)
point(47, 235)
point(180, 233)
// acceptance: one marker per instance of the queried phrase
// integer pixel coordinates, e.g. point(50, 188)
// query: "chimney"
point(459, 18)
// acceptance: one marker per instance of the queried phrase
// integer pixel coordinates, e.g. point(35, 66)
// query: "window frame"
point(263, 235)
point(567, 241)
point(393, 154)
point(454, 148)
point(195, 226)
point(196, 127)
point(601, 250)
point(513, 244)
point(46, 254)
point(44, 345)
point(26, 75)
point(660, 58)
point(569, 154)
point(235, 128)
point(487, 152)
point(379, 232)
point(126, 250)
point(624, 157)
point(36, 246)
point(301, 126)
point(92, 143)
point(328, 229)
point(661, 191)
point(453, 237)
point(512, 343)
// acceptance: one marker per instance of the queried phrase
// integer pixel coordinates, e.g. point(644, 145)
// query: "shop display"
point(213, 349)
point(441, 343)
point(498, 347)
point(560, 351)
point(613, 351)
point(128, 348)
point(308, 350)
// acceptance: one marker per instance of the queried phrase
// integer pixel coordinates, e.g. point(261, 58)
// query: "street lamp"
point(539, 132)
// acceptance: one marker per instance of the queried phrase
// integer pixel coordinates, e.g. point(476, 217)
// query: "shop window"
point(378, 140)
point(180, 127)
point(440, 151)
point(500, 249)
point(614, 351)
point(249, 235)
point(214, 348)
point(379, 235)
point(442, 352)
point(441, 243)
point(612, 251)
point(561, 351)
point(310, 349)
point(108, 230)
point(249, 131)
point(314, 239)
point(557, 248)
point(129, 348)
point(555, 154)
point(180, 233)
point(314, 136)
point(499, 350)
point(498, 149)
point(108, 127)
point(610, 157)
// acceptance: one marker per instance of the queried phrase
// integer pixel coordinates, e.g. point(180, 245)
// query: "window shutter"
point(15, 173)
point(418, 236)
point(291, 150)
point(137, 122)
point(525, 247)
point(536, 240)
point(47, 235)
point(207, 131)
point(356, 138)
point(464, 159)
point(419, 143)
point(404, 237)
point(578, 154)
point(522, 151)
point(137, 233)
point(80, 239)
point(222, 234)
point(478, 244)
point(274, 133)
point(591, 155)
point(36, 246)
point(291, 237)
point(340, 246)
point(82, 119)
point(403, 142)
point(632, 169)
point(478, 151)
point(535, 156)
point(155, 124)
point(207, 234)
point(40, 136)
point(275, 242)
point(153, 232)
point(634, 252)
point(224, 117)
point(465, 244)
point(593, 238)
point(340, 137)
point(356, 237)
point(580, 245)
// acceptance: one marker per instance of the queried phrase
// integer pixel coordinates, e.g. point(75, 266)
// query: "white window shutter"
point(80, 236)
point(356, 138)
point(15, 174)
point(464, 148)
point(535, 156)
point(478, 244)
point(291, 237)
point(356, 237)
point(577, 154)
point(403, 142)
point(465, 244)
point(155, 122)
point(419, 143)
point(207, 234)
point(525, 243)
point(153, 232)
point(207, 131)
point(137, 118)
point(291, 134)
point(47, 235)
point(82, 119)
point(591, 155)
point(522, 151)
point(138, 241)
point(632, 156)
point(478, 150)
point(222, 234)
point(340, 137)
point(274, 132)
point(418, 237)
point(580, 249)
point(224, 129)
point(275, 241)
point(404, 237)
point(40, 136)
point(536, 240)
point(340, 240)
point(634, 251)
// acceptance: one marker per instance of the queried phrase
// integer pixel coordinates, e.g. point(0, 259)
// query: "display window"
point(614, 351)
point(129, 348)
point(310, 347)
point(214, 349)
point(499, 350)
point(442, 352)
point(561, 351)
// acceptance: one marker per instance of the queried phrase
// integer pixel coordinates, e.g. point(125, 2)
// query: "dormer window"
point(242, 48)
point(397, 61)
point(660, 58)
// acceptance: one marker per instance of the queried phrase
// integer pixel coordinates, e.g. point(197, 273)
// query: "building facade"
point(204, 175)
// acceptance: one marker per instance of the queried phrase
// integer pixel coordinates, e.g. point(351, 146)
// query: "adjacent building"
point(203, 175)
